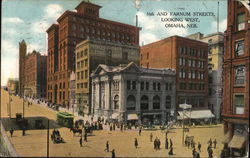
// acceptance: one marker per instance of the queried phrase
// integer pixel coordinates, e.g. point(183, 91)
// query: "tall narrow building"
point(73, 27)
point(236, 78)
point(22, 54)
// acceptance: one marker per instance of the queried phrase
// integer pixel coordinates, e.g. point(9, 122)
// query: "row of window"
point(156, 86)
point(82, 75)
point(82, 85)
point(81, 64)
point(192, 74)
point(103, 25)
point(192, 86)
point(191, 63)
point(82, 53)
point(192, 52)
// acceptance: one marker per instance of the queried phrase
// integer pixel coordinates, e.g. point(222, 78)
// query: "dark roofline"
point(64, 14)
point(51, 27)
point(87, 3)
point(171, 37)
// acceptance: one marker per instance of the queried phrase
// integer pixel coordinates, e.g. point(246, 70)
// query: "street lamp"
point(184, 107)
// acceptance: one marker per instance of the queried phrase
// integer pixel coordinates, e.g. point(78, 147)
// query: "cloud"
point(12, 20)
point(9, 64)
point(9, 31)
point(40, 26)
point(153, 28)
point(33, 46)
point(53, 11)
point(222, 25)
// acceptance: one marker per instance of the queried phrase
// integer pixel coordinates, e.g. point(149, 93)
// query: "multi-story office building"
point(215, 61)
point(189, 58)
point(236, 78)
point(22, 54)
point(35, 75)
point(73, 27)
point(91, 53)
point(128, 92)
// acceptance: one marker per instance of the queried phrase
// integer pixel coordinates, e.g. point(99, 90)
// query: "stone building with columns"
point(128, 92)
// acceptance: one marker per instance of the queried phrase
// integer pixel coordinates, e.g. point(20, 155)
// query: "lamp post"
point(48, 139)
point(184, 107)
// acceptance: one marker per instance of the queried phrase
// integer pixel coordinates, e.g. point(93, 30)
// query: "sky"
point(29, 20)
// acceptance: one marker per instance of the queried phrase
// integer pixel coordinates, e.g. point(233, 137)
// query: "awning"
point(195, 114)
point(226, 138)
point(115, 115)
point(237, 142)
point(132, 117)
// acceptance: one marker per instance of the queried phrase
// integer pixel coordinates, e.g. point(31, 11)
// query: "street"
point(34, 143)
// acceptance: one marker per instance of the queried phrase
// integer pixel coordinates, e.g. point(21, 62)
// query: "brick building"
point(236, 78)
point(189, 58)
point(22, 54)
point(91, 53)
point(73, 27)
point(35, 75)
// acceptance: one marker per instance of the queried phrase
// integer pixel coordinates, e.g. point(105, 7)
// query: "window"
point(154, 86)
point(131, 102)
point(85, 85)
point(210, 59)
point(144, 102)
point(189, 63)
point(125, 56)
point(159, 86)
point(116, 102)
point(239, 48)
point(142, 85)
point(210, 79)
point(241, 21)
point(128, 85)
point(147, 55)
point(147, 86)
point(240, 75)
point(86, 73)
point(134, 85)
point(168, 102)
point(85, 52)
point(156, 102)
point(239, 103)
point(189, 74)
point(108, 56)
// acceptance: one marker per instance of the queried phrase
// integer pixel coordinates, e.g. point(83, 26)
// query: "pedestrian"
point(11, 132)
point(193, 152)
point(171, 143)
point(199, 146)
point(210, 153)
point(215, 142)
point(136, 143)
point(23, 132)
point(197, 155)
point(140, 131)
point(107, 146)
point(171, 151)
point(166, 134)
point(166, 143)
point(155, 143)
point(210, 142)
point(188, 143)
point(151, 137)
point(85, 137)
point(80, 141)
point(113, 153)
point(110, 128)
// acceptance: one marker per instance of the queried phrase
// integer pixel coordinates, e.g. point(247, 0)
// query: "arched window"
point(156, 102)
point(168, 102)
point(144, 102)
point(116, 102)
point(131, 102)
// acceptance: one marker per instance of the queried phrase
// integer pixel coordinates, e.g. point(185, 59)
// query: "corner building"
point(236, 79)
point(73, 27)
point(189, 58)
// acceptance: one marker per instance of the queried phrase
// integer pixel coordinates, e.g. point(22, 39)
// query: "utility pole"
point(48, 140)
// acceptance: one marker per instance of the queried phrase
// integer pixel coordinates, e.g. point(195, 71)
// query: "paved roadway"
point(34, 143)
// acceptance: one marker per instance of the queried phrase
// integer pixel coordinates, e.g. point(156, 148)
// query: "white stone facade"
point(118, 91)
